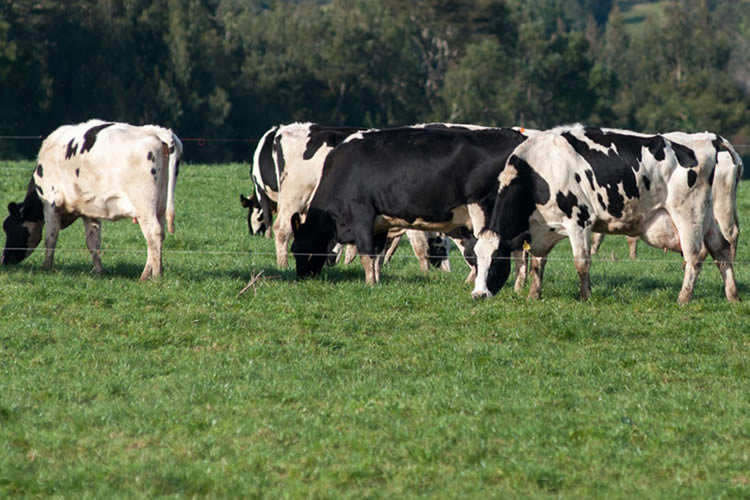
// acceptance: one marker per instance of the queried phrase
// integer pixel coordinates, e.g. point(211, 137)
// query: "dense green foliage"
point(330, 388)
point(229, 69)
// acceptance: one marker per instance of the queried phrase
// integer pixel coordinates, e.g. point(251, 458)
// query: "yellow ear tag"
point(526, 246)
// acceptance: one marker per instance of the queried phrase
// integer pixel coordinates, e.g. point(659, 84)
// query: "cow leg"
point(54, 224)
point(153, 232)
point(421, 247)
point(93, 229)
point(369, 263)
point(537, 273)
point(520, 257)
point(351, 254)
point(390, 248)
point(597, 241)
point(632, 246)
point(282, 231)
point(691, 245)
point(721, 251)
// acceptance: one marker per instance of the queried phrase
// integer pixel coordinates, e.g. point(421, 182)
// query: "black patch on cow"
point(590, 177)
point(40, 170)
point(578, 178)
point(89, 138)
point(267, 171)
point(616, 168)
point(567, 203)
point(171, 148)
point(150, 156)
point(647, 182)
point(330, 136)
point(685, 155)
point(711, 177)
point(39, 190)
point(153, 172)
point(692, 177)
point(601, 201)
point(71, 150)
point(583, 216)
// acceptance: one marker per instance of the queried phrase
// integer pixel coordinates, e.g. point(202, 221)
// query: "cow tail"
point(175, 154)
point(736, 158)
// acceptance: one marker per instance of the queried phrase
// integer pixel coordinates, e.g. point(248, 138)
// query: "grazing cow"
point(97, 170)
point(573, 180)
point(434, 179)
point(727, 176)
point(299, 152)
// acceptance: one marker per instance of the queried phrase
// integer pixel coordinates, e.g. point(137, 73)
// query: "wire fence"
point(403, 254)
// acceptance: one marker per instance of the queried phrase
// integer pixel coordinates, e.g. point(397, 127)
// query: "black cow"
point(435, 179)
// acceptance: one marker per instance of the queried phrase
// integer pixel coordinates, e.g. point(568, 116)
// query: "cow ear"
point(522, 241)
point(244, 201)
point(14, 209)
point(296, 223)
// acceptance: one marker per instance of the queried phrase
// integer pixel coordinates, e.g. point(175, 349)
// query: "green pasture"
point(329, 388)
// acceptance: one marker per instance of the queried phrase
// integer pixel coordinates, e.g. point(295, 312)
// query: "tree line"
point(229, 69)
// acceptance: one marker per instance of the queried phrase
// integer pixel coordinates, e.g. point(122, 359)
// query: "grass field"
point(330, 388)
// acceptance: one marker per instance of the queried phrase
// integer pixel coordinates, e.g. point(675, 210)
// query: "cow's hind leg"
point(580, 242)
point(153, 232)
point(93, 229)
point(721, 251)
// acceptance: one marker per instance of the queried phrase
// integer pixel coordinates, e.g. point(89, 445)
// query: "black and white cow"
point(572, 180)
point(299, 152)
point(727, 176)
point(434, 179)
point(97, 170)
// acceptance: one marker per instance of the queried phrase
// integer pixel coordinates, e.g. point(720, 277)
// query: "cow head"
point(255, 224)
point(313, 241)
point(493, 261)
point(23, 230)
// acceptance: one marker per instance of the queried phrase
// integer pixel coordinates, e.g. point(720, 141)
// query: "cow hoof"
point(482, 294)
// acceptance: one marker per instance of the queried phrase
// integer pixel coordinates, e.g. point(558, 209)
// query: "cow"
point(97, 170)
point(572, 180)
point(726, 179)
point(435, 179)
point(299, 152)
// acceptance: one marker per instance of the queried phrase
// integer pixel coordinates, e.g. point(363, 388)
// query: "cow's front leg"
point(93, 229)
point(520, 258)
point(53, 223)
point(537, 274)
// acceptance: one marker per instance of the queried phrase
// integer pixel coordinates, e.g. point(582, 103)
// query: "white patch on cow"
point(487, 243)
point(460, 217)
point(257, 178)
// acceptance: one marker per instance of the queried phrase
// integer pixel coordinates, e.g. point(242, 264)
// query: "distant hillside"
point(635, 12)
